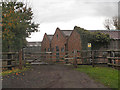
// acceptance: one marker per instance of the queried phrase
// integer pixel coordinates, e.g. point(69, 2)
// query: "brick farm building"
point(64, 41)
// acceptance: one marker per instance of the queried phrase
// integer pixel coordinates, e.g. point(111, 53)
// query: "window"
point(57, 36)
point(31, 45)
point(57, 48)
point(48, 49)
point(35, 45)
point(62, 49)
point(45, 49)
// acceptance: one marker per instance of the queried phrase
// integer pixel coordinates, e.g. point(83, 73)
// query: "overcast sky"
point(65, 14)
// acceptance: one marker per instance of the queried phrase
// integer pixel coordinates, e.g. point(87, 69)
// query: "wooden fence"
point(12, 60)
point(91, 57)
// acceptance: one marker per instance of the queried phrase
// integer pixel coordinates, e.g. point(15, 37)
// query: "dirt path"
point(50, 76)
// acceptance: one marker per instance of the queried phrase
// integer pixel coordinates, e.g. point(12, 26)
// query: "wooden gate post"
point(20, 59)
point(75, 59)
point(9, 62)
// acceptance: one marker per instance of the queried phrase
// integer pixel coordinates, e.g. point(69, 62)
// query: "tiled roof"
point(50, 37)
point(66, 32)
point(114, 34)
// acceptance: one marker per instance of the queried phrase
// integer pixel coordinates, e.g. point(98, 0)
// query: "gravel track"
point(50, 76)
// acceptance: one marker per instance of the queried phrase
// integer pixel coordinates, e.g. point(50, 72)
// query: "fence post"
point(20, 59)
point(75, 59)
point(23, 56)
point(9, 62)
point(93, 59)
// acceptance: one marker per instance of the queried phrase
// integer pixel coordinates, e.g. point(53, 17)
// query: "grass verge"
point(107, 76)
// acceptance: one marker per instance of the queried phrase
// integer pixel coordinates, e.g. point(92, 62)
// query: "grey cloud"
point(108, 9)
point(64, 10)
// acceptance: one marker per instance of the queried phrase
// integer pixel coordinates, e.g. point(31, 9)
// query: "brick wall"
point(45, 47)
point(58, 44)
point(74, 42)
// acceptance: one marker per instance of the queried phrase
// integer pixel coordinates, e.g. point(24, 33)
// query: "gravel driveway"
point(50, 76)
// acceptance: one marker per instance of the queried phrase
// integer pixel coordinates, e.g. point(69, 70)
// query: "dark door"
point(57, 54)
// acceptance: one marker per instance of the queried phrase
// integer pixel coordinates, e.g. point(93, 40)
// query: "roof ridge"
point(49, 35)
point(66, 30)
point(104, 30)
point(34, 41)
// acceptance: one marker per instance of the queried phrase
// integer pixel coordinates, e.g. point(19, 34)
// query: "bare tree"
point(112, 24)
point(107, 24)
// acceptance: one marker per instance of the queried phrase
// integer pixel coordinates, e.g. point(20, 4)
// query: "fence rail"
point(11, 60)
point(92, 57)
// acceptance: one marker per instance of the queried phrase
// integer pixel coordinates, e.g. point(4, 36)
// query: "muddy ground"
point(50, 76)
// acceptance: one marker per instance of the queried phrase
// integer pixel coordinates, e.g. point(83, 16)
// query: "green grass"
point(105, 75)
